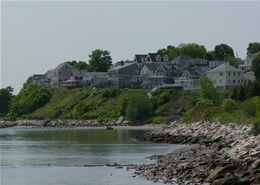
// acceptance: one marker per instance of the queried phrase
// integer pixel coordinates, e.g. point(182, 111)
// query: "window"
point(234, 81)
point(60, 72)
point(66, 67)
point(221, 74)
point(229, 74)
point(158, 58)
point(60, 80)
point(234, 74)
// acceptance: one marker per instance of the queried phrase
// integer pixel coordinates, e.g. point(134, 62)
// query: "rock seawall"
point(215, 154)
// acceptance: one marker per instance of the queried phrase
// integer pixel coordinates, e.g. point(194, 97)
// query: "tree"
point(209, 56)
point(253, 47)
point(256, 66)
point(209, 92)
point(221, 51)
point(232, 60)
point(194, 50)
point(100, 60)
point(5, 99)
point(81, 65)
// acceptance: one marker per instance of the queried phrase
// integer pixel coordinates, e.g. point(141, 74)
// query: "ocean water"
point(60, 156)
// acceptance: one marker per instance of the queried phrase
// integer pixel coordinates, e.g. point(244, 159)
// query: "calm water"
point(26, 153)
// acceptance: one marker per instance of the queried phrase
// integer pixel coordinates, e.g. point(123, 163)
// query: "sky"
point(37, 36)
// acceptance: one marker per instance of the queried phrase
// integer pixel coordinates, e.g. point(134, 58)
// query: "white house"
point(225, 76)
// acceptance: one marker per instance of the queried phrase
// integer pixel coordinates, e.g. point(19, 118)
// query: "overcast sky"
point(37, 36)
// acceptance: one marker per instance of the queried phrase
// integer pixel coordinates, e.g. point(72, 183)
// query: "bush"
point(256, 128)
point(249, 108)
point(229, 105)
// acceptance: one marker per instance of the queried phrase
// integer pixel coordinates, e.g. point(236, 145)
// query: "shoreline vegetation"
point(214, 154)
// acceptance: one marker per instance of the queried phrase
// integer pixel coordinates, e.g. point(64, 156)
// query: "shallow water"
point(26, 153)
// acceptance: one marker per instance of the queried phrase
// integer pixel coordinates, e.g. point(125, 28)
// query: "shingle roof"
point(61, 65)
point(224, 68)
point(139, 57)
point(152, 66)
point(182, 58)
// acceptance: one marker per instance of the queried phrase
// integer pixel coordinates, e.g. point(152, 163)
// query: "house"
point(75, 79)
point(39, 79)
point(149, 68)
point(181, 61)
point(248, 61)
point(157, 58)
point(199, 65)
point(60, 74)
point(249, 76)
point(95, 79)
point(189, 80)
point(225, 76)
point(215, 63)
point(120, 76)
point(139, 59)
point(158, 76)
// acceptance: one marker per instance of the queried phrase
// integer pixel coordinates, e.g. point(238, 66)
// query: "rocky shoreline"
point(48, 123)
point(215, 154)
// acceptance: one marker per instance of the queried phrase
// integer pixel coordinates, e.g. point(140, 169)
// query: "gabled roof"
point(121, 66)
point(181, 58)
point(139, 57)
point(154, 55)
point(38, 76)
point(77, 72)
point(61, 65)
point(224, 68)
point(151, 66)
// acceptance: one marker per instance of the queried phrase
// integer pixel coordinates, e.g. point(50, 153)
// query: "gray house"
point(95, 79)
point(226, 76)
point(60, 74)
point(161, 75)
point(120, 76)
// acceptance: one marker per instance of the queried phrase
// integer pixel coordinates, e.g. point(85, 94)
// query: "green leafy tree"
point(194, 50)
point(253, 47)
point(137, 107)
point(209, 92)
point(100, 60)
point(81, 65)
point(233, 92)
point(5, 99)
point(241, 93)
point(28, 100)
point(221, 51)
point(231, 59)
point(209, 56)
point(256, 66)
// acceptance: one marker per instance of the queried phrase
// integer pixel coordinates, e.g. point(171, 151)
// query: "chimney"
point(122, 62)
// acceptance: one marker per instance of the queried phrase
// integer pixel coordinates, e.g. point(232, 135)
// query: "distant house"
point(215, 63)
point(157, 58)
point(60, 74)
point(75, 79)
point(249, 76)
point(189, 80)
point(181, 61)
point(95, 79)
point(225, 76)
point(139, 59)
point(120, 76)
point(157, 76)
point(248, 61)
point(39, 79)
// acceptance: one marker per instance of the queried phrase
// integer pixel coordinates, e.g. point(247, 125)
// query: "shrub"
point(249, 108)
point(256, 128)
point(229, 105)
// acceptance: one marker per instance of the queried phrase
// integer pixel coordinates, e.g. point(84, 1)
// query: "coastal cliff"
point(215, 154)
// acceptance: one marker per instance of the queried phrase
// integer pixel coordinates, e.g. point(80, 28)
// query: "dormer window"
point(158, 58)
point(166, 58)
